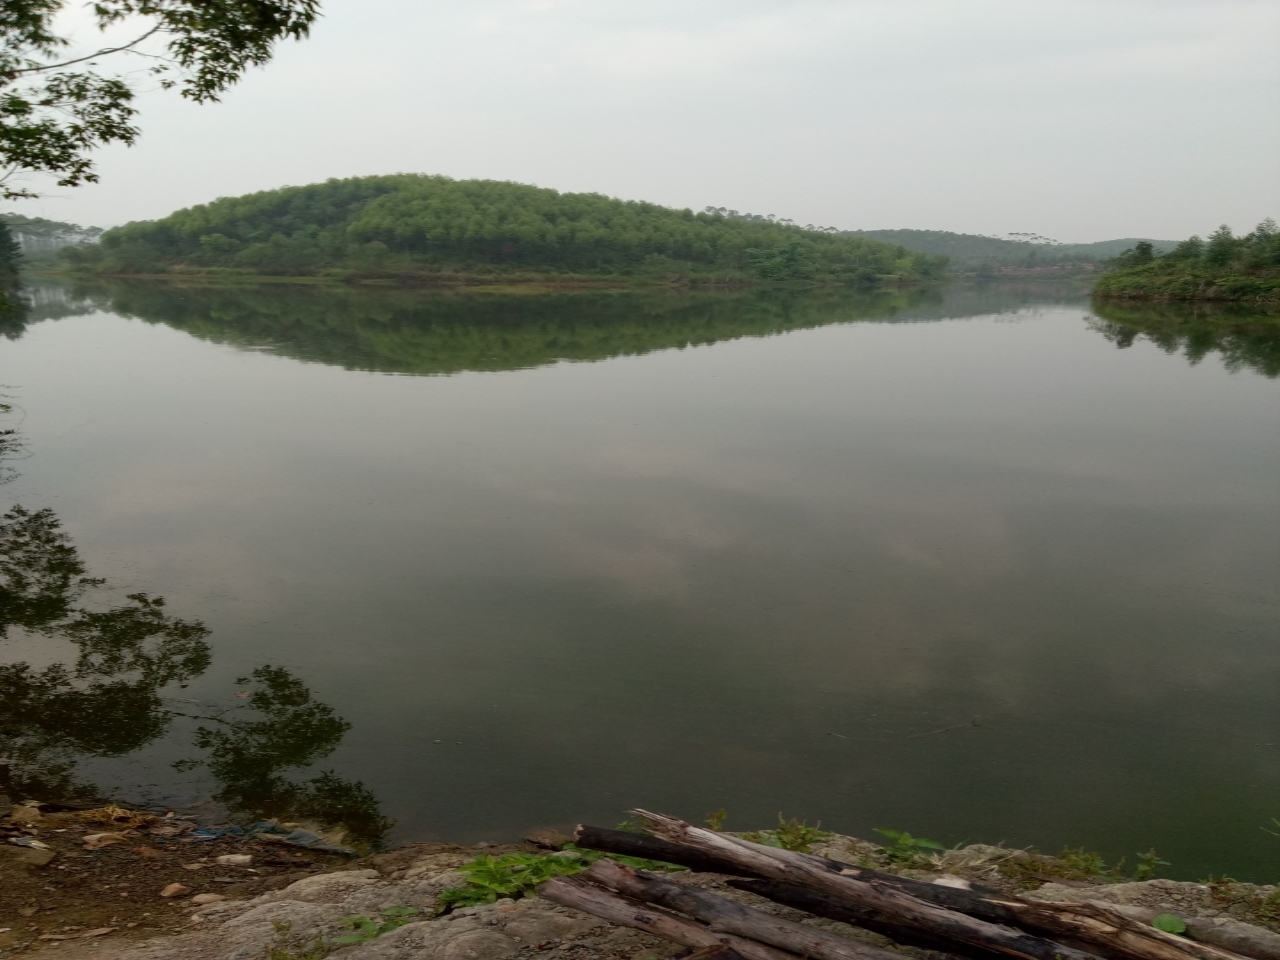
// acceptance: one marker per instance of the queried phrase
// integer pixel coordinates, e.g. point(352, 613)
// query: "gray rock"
point(1236, 936)
point(548, 839)
point(414, 941)
point(477, 945)
point(536, 926)
point(329, 887)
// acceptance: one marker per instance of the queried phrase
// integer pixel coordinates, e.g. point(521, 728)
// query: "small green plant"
point(790, 834)
point(715, 821)
point(1088, 864)
point(364, 928)
point(1148, 863)
point(1073, 863)
point(1170, 923)
point(905, 850)
point(515, 875)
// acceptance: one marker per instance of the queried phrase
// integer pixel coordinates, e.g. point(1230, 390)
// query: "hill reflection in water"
point(421, 332)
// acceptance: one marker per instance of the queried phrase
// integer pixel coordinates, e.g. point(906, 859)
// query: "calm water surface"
point(952, 563)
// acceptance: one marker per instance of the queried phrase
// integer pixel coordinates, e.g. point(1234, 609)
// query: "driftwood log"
point(725, 916)
point(834, 908)
point(951, 916)
point(1090, 925)
point(972, 899)
point(571, 892)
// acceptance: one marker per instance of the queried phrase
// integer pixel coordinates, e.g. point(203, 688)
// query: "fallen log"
point(720, 952)
point(902, 908)
point(835, 908)
point(973, 899)
point(571, 892)
point(726, 916)
point(1100, 925)
point(630, 844)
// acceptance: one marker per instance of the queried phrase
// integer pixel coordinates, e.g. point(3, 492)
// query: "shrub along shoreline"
point(1224, 267)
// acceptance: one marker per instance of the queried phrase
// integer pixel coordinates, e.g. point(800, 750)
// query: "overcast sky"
point(1078, 119)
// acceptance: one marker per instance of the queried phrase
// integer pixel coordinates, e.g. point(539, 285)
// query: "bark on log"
point(715, 953)
point(726, 916)
point(651, 848)
point(973, 900)
point(1089, 924)
point(835, 908)
point(896, 906)
point(571, 892)
point(1111, 932)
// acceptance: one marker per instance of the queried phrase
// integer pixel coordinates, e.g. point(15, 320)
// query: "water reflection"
point(103, 694)
point(104, 699)
point(425, 332)
point(1247, 336)
point(431, 332)
point(283, 727)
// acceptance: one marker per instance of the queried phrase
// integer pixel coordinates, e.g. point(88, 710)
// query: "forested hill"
point(973, 251)
point(410, 225)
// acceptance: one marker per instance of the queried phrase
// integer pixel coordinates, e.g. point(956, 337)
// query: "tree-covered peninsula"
point(438, 229)
point(1224, 267)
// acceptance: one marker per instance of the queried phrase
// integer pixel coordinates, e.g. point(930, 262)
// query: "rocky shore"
point(267, 901)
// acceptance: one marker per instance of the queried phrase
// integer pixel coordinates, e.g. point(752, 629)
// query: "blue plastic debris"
point(273, 832)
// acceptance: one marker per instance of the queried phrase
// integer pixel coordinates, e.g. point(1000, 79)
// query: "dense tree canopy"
point(408, 223)
point(56, 106)
point(1224, 267)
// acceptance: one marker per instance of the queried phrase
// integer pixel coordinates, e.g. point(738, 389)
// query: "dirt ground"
point(84, 890)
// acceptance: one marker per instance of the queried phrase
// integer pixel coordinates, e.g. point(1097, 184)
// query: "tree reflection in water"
point(1247, 336)
point(284, 729)
point(104, 698)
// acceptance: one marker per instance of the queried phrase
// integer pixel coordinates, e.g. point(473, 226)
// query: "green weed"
point(715, 821)
point(1244, 901)
point(907, 851)
point(1170, 923)
point(790, 834)
point(1148, 863)
point(1073, 863)
point(364, 928)
point(516, 875)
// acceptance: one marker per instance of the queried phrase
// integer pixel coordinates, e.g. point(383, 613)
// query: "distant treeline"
point(40, 239)
point(437, 228)
point(1224, 267)
point(979, 254)
point(11, 302)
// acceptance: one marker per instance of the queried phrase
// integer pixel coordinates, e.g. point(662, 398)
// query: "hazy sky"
point(1078, 119)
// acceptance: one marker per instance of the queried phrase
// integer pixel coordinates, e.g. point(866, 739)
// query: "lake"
point(975, 563)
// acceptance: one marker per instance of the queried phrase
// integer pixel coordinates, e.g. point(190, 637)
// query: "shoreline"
point(484, 282)
point(231, 898)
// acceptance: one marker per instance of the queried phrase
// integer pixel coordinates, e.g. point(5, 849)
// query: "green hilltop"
point(435, 229)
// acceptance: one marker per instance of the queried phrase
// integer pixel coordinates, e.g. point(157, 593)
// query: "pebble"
point(207, 898)
point(175, 890)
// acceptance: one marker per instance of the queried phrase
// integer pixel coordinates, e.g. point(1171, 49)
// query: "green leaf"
point(1170, 923)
